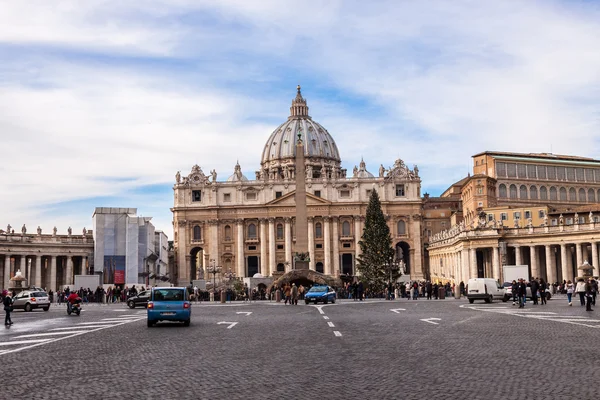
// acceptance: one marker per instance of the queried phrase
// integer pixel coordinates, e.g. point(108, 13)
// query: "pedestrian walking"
point(522, 292)
point(580, 289)
point(543, 290)
point(8, 307)
point(294, 294)
point(288, 294)
point(514, 289)
point(589, 289)
point(534, 291)
point(570, 289)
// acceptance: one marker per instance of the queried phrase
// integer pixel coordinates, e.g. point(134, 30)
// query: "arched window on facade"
point(582, 195)
point(543, 193)
point(227, 232)
point(502, 191)
point(523, 192)
point(318, 230)
point(279, 231)
point(563, 194)
point(345, 228)
point(280, 267)
point(533, 193)
point(513, 192)
point(252, 231)
point(319, 267)
point(553, 193)
point(197, 233)
point(572, 194)
point(401, 228)
point(591, 196)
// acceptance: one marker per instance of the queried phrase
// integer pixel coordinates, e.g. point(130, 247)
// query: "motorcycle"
point(74, 308)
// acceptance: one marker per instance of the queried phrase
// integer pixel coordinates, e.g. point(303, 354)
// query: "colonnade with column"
point(47, 271)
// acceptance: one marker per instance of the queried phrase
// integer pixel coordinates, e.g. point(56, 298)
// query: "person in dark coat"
point(514, 289)
point(589, 289)
point(543, 288)
point(7, 301)
point(522, 292)
point(534, 291)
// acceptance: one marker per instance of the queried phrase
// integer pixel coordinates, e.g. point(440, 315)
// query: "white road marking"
point(77, 327)
point(23, 342)
point(325, 317)
point(47, 334)
point(244, 312)
point(231, 324)
point(331, 325)
point(430, 320)
point(395, 310)
point(337, 333)
point(320, 308)
point(97, 323)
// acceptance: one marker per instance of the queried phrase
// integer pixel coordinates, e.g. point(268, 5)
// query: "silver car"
point(30, 299)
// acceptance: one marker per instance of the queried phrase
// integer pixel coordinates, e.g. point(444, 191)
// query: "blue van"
point(169, 304)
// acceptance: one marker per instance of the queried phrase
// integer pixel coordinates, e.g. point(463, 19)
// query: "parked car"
point(486, 289)
point(319, 293)
point(31, 299)
point(140, 299)
point(508, 291)
point(169, 304)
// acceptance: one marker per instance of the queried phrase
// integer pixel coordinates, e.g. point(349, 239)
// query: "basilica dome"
point(319, 146)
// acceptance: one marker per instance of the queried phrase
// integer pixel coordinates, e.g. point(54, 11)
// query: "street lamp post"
point(229, 276)
point(214, 270)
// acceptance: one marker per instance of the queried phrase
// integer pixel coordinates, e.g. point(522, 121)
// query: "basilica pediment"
point(289, 200)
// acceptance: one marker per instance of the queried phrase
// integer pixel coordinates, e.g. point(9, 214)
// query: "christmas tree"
point(374, 263)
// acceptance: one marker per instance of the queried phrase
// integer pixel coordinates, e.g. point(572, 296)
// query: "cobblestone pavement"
point(349, 350)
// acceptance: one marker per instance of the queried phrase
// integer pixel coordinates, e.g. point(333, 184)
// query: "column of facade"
point(272, 266)
point(336, 246)
point(69, 280)
point(38, 271)
point(84, 268)
point(6, 282)
point(464, 257)
point(241, 262)
point(550, 267)
point(326, 244)
point(263, 248)
point(579, 254)
point(564, 265)
point(595, 258)
point(473, 261)
point(213, 249)
point(288, 244)
point(535, 271)
point(357, 234)
point(570, 262)
point(311, 243)
point(496, 263)
point(23, 267)
point(518, 260)
point(53, 273)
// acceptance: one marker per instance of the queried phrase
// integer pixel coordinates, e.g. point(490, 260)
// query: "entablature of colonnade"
point(47, 244)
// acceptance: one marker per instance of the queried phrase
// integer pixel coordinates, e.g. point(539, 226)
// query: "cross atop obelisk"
point(300, 198)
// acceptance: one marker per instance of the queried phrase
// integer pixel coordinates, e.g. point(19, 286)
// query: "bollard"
point(212, 296)
point(222, 296)
point(278, 295)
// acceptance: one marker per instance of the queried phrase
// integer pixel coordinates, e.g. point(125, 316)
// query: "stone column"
point(336, 246)
point(496, 262)
point(69, 280)
point(272, 267)
point(6, 282)
point(263, 247)
point(241, 262)
point(357, 234)
point(579, 254)
point(213, 248)
point(535, 271)
point(326, 243)
point(464, 267)
point(84, 269)
point(518, 260)
point(563, 262)
point(23, 268)
point(473, 260)
point(595, 258)
point(53, 273)
point(311, 242)
point(38, 271)
point(570, 263)
point(550, 267)
point(288, 244)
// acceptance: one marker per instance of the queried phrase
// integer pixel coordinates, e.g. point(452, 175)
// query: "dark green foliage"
point(376, 247)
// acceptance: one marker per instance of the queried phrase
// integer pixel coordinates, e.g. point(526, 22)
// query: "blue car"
point(169, 304)
point(320, 293)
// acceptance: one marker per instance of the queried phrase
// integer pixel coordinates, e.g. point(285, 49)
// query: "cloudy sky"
point(102, 102)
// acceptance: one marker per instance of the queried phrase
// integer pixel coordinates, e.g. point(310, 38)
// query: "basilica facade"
point(246, 224)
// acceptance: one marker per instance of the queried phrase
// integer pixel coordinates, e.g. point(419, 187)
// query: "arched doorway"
point(280, 267)
point(403, 254)
point(196, 262)
point(319, 267)
point(347, 264)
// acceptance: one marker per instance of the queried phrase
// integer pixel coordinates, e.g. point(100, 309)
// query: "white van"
point(486, 289)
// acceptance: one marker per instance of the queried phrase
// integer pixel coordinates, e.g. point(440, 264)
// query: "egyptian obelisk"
point(300, 197)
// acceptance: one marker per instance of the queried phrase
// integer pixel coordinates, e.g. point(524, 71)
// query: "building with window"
point(246, 225)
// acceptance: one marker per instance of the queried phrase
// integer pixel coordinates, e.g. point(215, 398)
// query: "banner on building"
point(114, 270)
